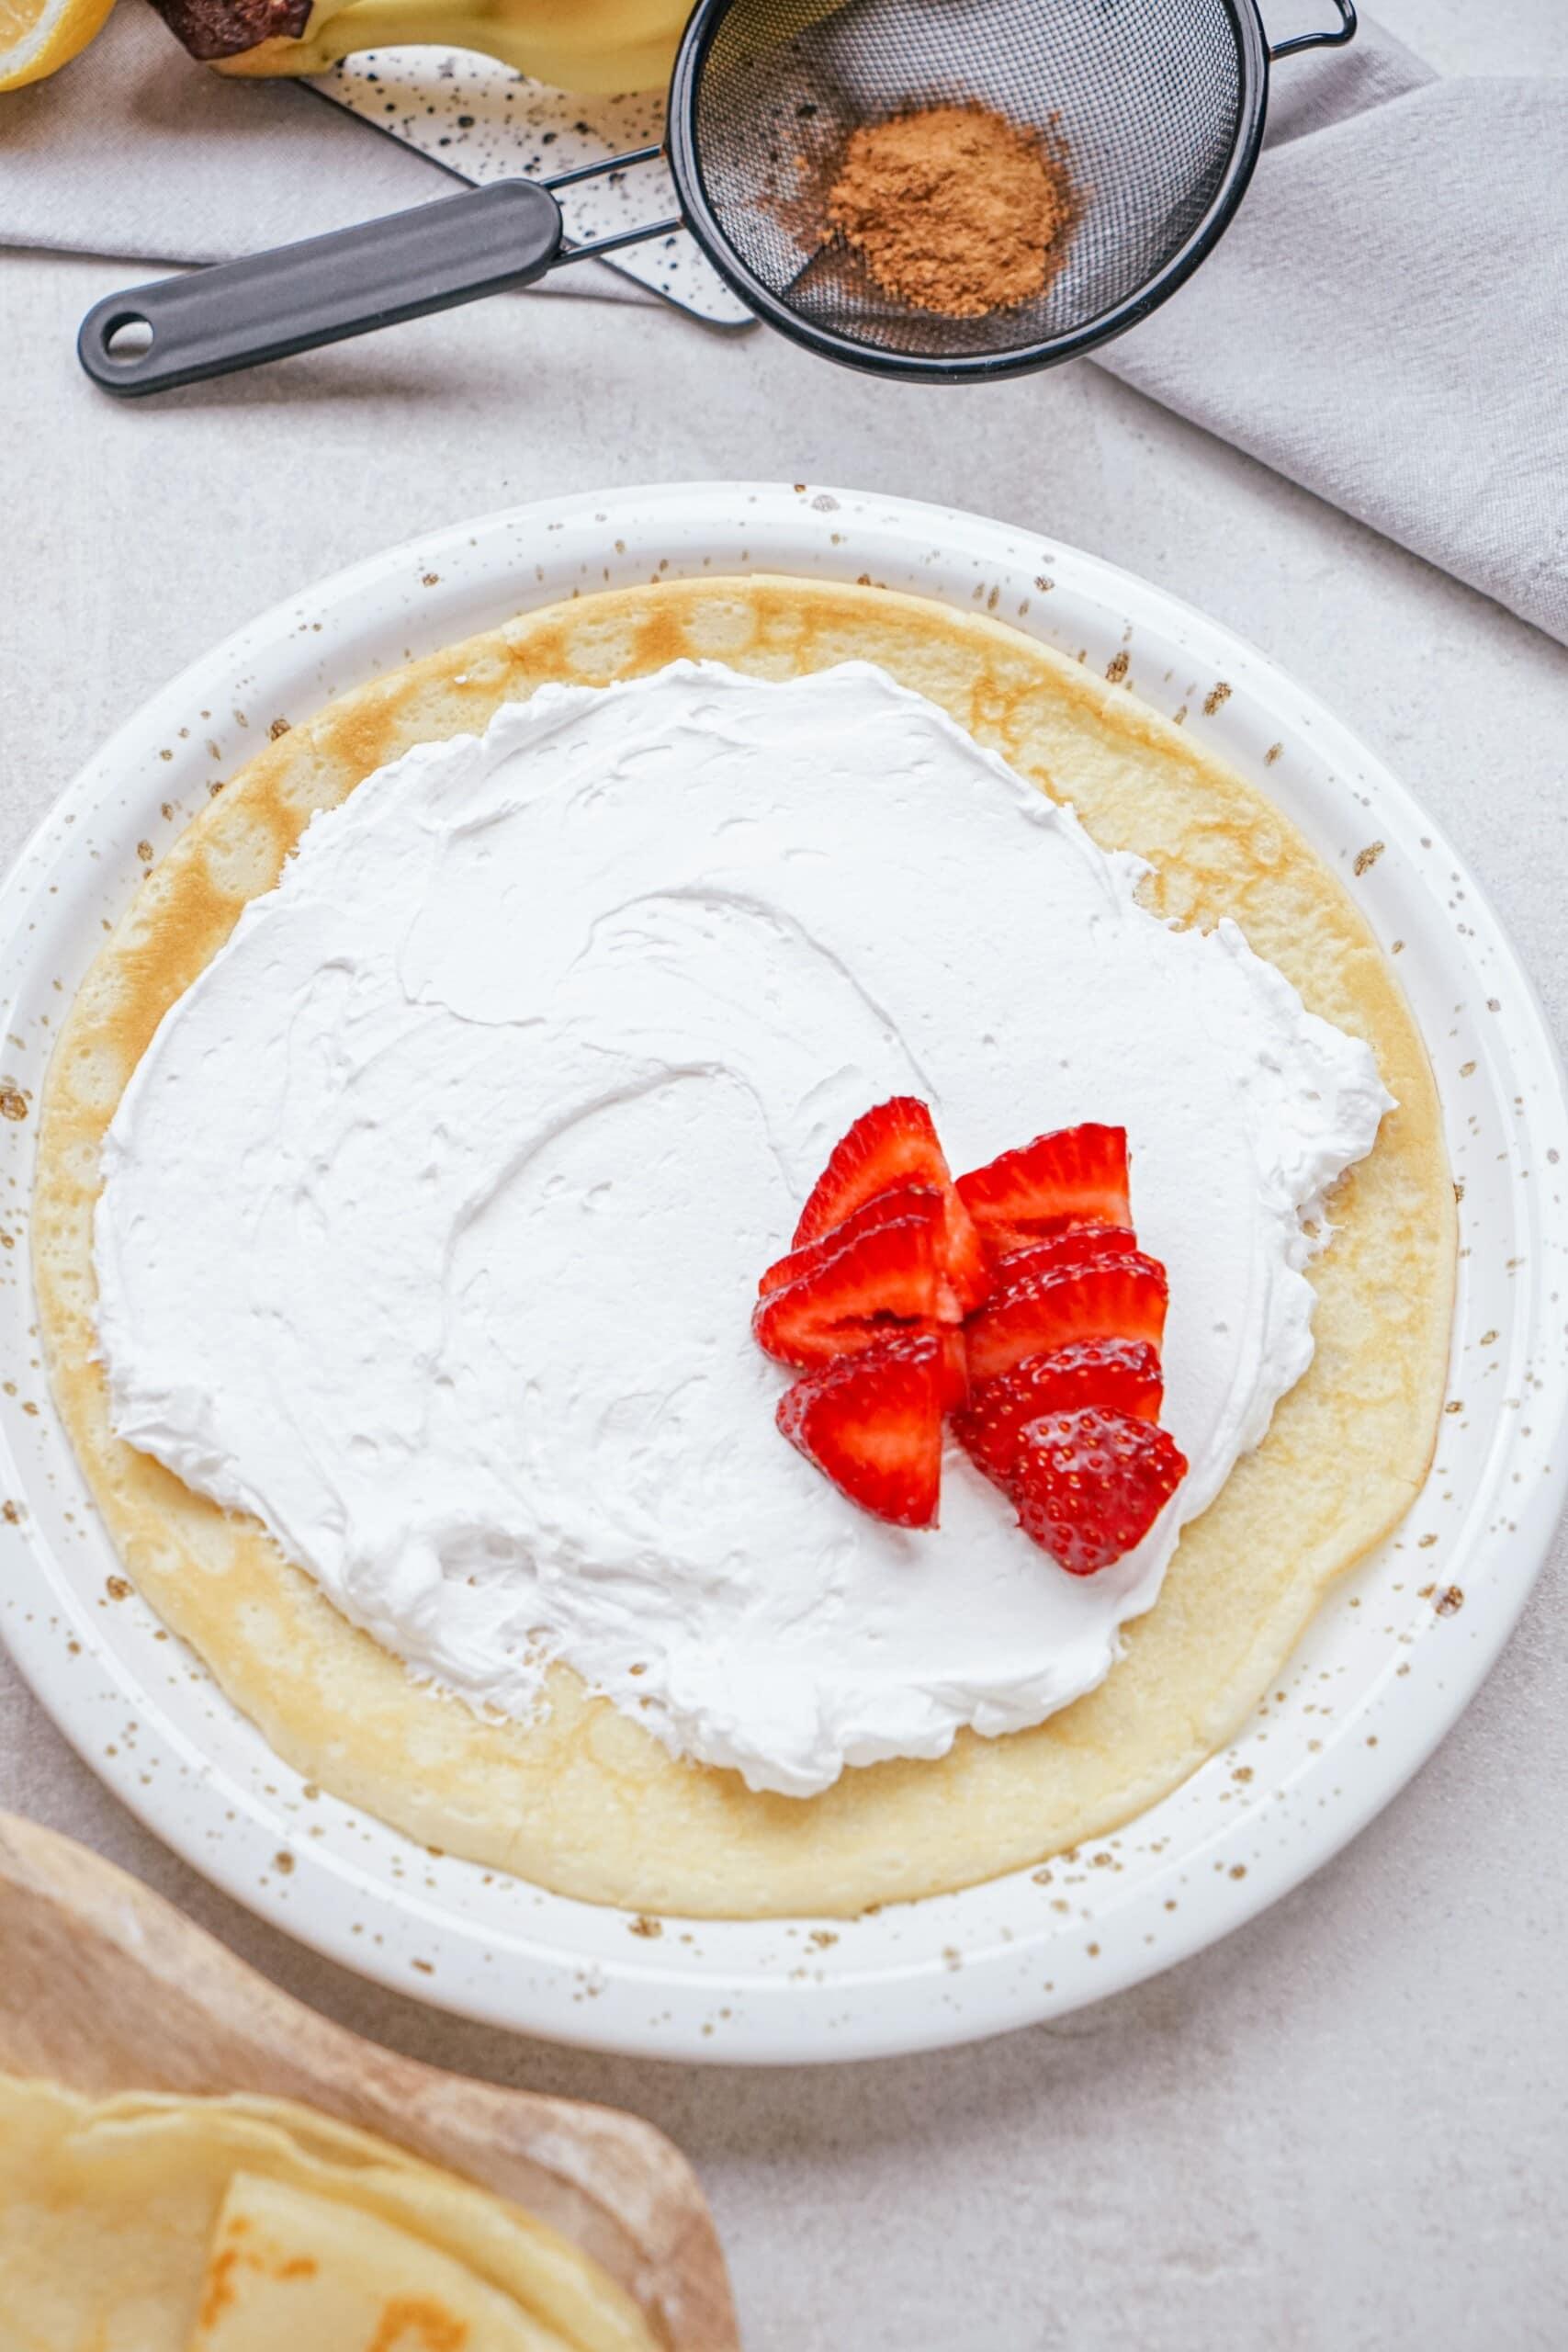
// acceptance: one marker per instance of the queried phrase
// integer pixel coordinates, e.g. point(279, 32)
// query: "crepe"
point(143, 2223)
point(582, 1799)
point(289, 2268)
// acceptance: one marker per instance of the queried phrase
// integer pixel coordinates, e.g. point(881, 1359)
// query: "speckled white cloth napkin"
point(1386, 322)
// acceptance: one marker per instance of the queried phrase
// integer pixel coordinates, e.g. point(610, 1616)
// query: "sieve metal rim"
point(683, 149)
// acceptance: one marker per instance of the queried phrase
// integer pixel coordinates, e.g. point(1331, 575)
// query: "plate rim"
point(897, 2023)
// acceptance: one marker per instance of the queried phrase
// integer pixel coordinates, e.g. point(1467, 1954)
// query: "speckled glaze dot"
point(1385, 1668)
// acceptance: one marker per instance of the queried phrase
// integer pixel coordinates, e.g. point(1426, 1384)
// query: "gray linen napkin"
point(1385, 322)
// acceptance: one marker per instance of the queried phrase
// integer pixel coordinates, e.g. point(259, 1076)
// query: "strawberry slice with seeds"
point(885, 1282)
point(1114, 1375)
point(920, 1201)
point(1085, 1245)
point(1122, 1297)
point(1077, 1176)
point(891, 1145)
point(1088, 1486)
point(872, 1423)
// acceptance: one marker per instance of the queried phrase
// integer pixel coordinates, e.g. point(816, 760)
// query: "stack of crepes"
point(143, 2224)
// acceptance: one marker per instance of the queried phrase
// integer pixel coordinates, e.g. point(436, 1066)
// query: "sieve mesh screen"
point(1142, 99)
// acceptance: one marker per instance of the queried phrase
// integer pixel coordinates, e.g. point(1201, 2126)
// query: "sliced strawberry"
point(1088, 1486)
point(966, 1269)
point(955, 1367)
point(920, 1201)
point(1085, 1245)
point(890, 1147)
point(872, 1423)
point(1115, 1376)
point(1116, 1299)
point(884, 1283)
point(893, 1144)
point(1077, 1176)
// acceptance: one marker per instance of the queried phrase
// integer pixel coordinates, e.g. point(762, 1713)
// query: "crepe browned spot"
point(582, 1798)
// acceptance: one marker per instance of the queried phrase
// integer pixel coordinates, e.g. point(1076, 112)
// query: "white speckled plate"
point(1386, 1667)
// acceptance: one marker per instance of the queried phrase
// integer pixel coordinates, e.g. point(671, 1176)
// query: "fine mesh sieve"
point(1153, 108)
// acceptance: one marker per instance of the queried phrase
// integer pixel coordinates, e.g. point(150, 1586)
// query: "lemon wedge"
point(38, 37)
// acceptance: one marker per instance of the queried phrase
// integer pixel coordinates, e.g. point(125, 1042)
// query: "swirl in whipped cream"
point(433, 1216)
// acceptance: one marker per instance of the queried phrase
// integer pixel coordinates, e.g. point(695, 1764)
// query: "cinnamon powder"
point(953, 209)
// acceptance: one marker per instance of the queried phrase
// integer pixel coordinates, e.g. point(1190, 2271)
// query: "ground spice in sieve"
point(953, 209)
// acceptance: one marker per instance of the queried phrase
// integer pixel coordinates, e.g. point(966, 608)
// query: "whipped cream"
point(433, 1216)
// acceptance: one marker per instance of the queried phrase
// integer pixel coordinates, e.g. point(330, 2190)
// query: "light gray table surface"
point(1345, 2126)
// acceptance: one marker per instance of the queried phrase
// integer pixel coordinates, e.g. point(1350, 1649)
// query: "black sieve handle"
point(1345, 31)
point(210, 321)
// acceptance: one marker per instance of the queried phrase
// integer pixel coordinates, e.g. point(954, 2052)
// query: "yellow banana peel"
point(589, 45)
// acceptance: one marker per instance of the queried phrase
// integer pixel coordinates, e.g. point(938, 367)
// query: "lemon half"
point(38, 37)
